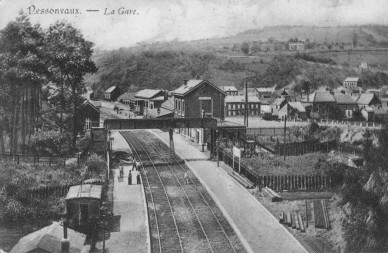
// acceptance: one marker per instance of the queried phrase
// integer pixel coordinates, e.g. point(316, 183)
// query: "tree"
point(69, 55)
point(245, 47)
point(306, 86)
point(23, 70)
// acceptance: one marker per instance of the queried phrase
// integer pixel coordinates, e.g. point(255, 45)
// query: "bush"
point(51, 143)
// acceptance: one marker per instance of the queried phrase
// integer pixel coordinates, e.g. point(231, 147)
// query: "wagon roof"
point(84, 191)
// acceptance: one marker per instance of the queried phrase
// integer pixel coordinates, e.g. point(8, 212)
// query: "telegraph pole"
point(246, 104)
point(284, 140)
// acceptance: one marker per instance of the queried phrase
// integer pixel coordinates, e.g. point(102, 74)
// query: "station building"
point(197, 99)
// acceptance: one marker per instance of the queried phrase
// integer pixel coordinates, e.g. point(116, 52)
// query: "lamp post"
point(103, 211)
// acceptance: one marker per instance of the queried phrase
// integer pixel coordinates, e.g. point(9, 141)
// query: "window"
point(152, 105)
point(183, 107)
point(229, 106)
point(88, 124)
point(146, 103)
point(242, 106)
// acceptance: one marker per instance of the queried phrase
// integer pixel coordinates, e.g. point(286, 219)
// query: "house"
point(88, 116)
point(149, 99)
point(277, 103)
point(367, 113)
point(196, 99)
point(266, 92)
point(83, 203)
point(292, 110)
point(265, 106)
point(368, 99)
point(346, 104)
point(230, 90)
point(296, 46)
point(48, 239)
point(235, 105)
point(352, 82)
point(112, 93)
point(322, 102)
point(127, 98)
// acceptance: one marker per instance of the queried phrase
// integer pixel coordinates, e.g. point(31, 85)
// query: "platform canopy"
point(111, 124)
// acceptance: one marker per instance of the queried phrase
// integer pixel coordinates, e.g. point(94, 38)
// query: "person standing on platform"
point(186, 177)
point(138, 177)
point(130, 177)
point(133, 164)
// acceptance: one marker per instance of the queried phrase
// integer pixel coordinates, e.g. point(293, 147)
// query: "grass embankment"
point(17, 180)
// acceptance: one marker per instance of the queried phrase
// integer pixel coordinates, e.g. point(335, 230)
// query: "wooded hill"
point(165, 65)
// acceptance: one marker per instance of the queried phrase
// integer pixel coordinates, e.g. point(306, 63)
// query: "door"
point(84, 209)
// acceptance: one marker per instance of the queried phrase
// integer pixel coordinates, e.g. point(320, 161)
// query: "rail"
point(202, 196)
point(164, 191)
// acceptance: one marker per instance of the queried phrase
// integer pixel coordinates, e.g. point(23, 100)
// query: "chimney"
point(185, 81)
point(65, 242)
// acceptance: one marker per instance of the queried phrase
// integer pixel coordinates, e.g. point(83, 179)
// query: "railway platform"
point(256, 227)
point(130, 211)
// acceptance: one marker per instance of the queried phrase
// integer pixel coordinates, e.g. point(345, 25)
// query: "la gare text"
point(120, 11)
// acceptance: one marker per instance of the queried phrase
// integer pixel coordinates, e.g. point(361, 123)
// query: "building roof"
point(241, 99)
point(89, 103)
point(127, 96)
point(168, 104)
point(320, 97)
point(266, 89)
point(147, 93)
point(191, 85)
point(365, 98)
point(48, 239)
point(84, 191)
point(277, 101)
point(284, 93)
point(344, 99)
point(297, 106)
point(158, 98)
point(352, 79)
point(228, 88)
point(368, 109)
point(153, 113)
point(110, 89)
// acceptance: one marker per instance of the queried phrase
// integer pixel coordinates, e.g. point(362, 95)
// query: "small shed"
point(83, 202)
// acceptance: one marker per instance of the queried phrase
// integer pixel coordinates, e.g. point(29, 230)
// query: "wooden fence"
point(282, 182)
point(32, 159)
point(301, 148)
point(48, 192)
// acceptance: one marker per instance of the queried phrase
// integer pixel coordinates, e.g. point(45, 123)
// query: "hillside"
point(165, 65)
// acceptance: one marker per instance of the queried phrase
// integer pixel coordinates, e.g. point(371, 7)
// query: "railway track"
point(180, 215)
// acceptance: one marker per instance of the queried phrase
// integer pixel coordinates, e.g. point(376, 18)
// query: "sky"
point(164, 20)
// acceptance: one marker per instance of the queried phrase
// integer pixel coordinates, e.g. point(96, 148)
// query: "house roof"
point(48, 239)
point(191, 85)
point(228, 88)
point(153, 113)
point(159, 98)
point(284, 93)
point(344, 99)
point(277, 101)
point(84, 191)
point(168, 104)
point(89, 103)
point(320, 97)
point(365, 98)
point(267, 89)
point(110, 89)
point(127, 96)
point(352, 79)
point(368, 109)
point(241, 99)
point(297, 106)
point(381, 111)
point(147, 93)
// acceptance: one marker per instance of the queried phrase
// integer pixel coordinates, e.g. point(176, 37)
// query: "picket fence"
point(304, 147)
point(48, 192)
point(32, 159)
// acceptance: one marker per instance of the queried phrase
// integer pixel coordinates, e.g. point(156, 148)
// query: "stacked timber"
point(293, 220)
point(242, 180)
